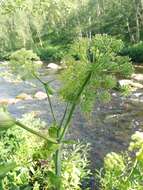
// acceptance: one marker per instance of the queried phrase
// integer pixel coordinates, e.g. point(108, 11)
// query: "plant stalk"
point(60, 135)
point(48, 96)
point(58, 162)
point(63, 118)
point(66, 125)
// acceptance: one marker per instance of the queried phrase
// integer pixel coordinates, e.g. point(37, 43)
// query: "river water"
point(109, 129)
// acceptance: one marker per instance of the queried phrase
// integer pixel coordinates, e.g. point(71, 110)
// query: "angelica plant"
point(92, 68)
point(124, 170)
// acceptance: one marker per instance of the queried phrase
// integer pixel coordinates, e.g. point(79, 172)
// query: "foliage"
point(124, 171)
point(28, 24)
point(32, 23)
point(125, 90)
point(100, 57)
point(6, 120)
point(73, 170)
point(33, 172)
point(51, 52)
point(91, 69)
point(135, 52)
point(49, 27)
point(24, 63)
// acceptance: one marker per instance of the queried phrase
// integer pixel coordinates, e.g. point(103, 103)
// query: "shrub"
point(33, 171)
point(4, 55)
point(51, 52)
point(124, 171)
point(135, 52)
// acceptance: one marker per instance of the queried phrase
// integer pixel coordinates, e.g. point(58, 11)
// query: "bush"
point(51, 52)
point(135, 52)
point(124, 171)
point(33, 172)
point(4, 55)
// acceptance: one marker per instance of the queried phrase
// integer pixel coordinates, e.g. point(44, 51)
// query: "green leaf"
point(5, 168)
point(46, 151)
point(52, 148)
point(53, 131)
point(6, 121)
point(54, 179)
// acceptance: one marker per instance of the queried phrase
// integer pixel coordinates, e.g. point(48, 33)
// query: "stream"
point(108, 130)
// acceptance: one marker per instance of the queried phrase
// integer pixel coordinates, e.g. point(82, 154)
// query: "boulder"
point(116, 117)
point(13, 100)
point(135, 102)
point(39, 62)
point(132, 84)
point(138, 94)
point(8, 101)
point(137, 77)
point(24, 96)
point(53, 66)
point(4, 101)
point(40, 95)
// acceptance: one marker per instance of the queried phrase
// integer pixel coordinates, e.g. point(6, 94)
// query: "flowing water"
point(109, 129)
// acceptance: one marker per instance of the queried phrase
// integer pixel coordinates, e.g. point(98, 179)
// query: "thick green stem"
point(58, 165)
point(58, 152)
point(66, 125)
point(63, 118)
point(58, 162)
point(60, 134)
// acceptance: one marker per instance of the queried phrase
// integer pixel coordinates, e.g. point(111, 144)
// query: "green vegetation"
point(49, 27)
point(135, 52)
point(124, 171)
point(96, 42)
point(34, 168)
point(94, 65)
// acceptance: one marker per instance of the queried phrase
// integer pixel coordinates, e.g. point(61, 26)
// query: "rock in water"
point(132, 84)
point(24, 96)
point(53, 66)
point(137, 77)
point(8, 101)
point(40, 95)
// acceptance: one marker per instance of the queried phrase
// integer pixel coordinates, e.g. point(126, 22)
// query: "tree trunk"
point(131, 36)
point(137, 4)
